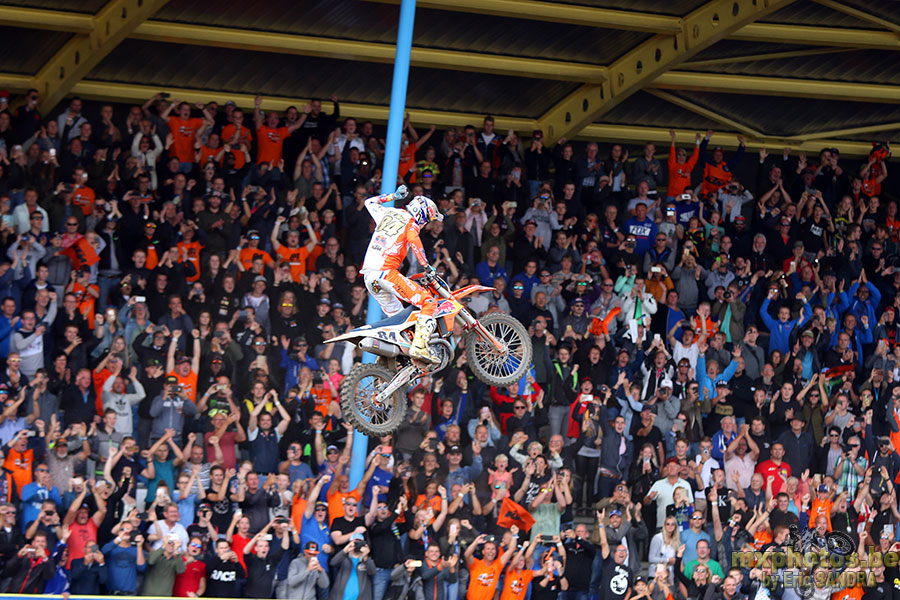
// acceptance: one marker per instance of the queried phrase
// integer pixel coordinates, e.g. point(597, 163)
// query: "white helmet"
point(423, 211)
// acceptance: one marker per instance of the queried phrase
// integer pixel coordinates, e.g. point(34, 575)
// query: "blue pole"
point(388, 184)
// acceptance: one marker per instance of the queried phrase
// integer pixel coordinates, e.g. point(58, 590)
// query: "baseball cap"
point(808, 333)
point(531, 222)
point(331, 447)
point(217, 359)
point(615, 512)
point(721, 383)
point(357, 536)
point(740, 218)
point(171, 379)
point(621, 350)
point(230, 103)
point(666, 383)
point(822, 488)
point(259, 278)
point(324, 300)
point(454, 450)
point(671, 460)
point(184, 359)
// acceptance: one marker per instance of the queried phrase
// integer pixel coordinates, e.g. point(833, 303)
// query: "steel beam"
point(37, 18)
point(744, 58)
point(630, 134)
point(706, 113)
point(818, 36)
point(133, 93)
point(778, 86)
point(264, 41)
point(83, 52)
point(861, 15)
point(571, 14)
point(642, 65)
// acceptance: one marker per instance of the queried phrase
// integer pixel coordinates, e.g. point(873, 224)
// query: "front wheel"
point(839, 543)
point(499, 367)
point(358, 404)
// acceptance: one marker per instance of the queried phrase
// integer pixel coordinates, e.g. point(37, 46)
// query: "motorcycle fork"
point(402, 378)
point(468, 322)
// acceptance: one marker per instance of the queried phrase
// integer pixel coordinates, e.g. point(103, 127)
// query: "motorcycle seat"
point(397, 319)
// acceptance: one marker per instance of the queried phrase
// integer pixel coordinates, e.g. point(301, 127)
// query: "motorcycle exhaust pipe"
point(379, 347)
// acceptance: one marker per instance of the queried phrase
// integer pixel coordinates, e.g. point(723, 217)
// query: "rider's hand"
point(401, 193)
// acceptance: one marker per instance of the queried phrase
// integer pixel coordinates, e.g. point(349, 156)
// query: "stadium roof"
point(804, 73)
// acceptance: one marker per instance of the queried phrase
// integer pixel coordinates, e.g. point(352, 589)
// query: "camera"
point(630, 243)
point(728, 295)
point(490, 539)
point(358, 544)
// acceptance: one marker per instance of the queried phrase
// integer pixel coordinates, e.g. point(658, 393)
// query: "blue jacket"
point(121, 567)
point(486, 275)
point(707, 385)
point(867, 308)
point(780, 333)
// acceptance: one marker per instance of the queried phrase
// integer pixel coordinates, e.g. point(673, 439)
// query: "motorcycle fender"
point(471, 289)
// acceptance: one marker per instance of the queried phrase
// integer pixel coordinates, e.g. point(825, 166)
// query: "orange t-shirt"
point(515, 584)
point(407, 159)
point(248, 254)
point(296, 258)
point(86, 302)
point(20, 464)
point(851, 593)
point(184, 130)
point(298, 507)
point(434, 503)
point(246, 138)
point(270, 143)
point(820, 507)
point(193, 256)
point(483, 579)
point(84, 197)
point(336, 503)
point(189, 382)
point(208, 154)
point(100, 379)
point(79, 537)
point(152, 256)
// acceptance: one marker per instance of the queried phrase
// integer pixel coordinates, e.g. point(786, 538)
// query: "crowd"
point(714, 361)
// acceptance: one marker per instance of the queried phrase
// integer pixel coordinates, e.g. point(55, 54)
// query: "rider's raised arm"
point(374, 204)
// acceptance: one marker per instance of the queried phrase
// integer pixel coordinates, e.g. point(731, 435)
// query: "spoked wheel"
point(499, 367)
point(358, 391)
point(839, 543)
point(805, 586)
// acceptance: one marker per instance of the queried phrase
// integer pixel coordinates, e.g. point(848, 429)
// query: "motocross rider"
point(396, 231)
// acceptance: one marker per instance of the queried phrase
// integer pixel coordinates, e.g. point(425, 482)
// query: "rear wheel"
point(358, 391)
point(494, 367)
point(839, 543)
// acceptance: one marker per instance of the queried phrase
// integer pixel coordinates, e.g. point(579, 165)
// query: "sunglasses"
point(696, 518)
point(518, 407)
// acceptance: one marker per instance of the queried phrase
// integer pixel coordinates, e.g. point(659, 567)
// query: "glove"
point(401, 193)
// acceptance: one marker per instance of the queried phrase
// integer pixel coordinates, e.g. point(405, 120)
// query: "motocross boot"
point(419, 349)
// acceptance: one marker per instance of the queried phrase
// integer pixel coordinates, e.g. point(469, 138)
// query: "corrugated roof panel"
point(781, 117)
point(865, 66)
point(646, 110)
point(25, 51)
point(739, 48)
point(449, 30)
point(79, 6)
point(303, 77)
point(889, 11)
point(809, 12)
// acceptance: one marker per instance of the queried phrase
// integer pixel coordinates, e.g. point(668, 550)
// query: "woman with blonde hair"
point(663, 547)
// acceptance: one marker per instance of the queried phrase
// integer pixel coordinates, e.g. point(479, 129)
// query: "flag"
point(513, 514)
point(525, 388)
point(81, 253)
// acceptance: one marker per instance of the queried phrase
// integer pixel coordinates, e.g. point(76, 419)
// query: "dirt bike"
point(833, 543)
point(373, 395)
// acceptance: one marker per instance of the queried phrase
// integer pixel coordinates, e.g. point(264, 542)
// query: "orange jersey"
point(515, 584)
point(336, 502)
point(715, 177)
point(296, 258)
point(820, 507)
point(407, 159)
point(270, 143)
point(395, 233)
point(189, 383)
point(86, 302)
point(20, 464)
point(680, 174)
point(249, 254)
point(483, 579)
point(245, 138)
point(84, 197)
point(208, 154)
point(183, 132)
point(190, 252)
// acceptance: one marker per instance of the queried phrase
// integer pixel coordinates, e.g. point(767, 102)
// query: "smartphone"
point(678, 426)
point(415, 563)
point(514, 204)
point(140, 298)
point(52, 152)
point(685, 196)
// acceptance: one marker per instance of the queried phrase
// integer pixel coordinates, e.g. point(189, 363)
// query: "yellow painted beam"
point(263, 41)
point(638, 68)
point(818, 36)
point(861, 15)
point(132, 93)
point(865, 129)
point(630, 134)
point(779, 86)
point(572, 14)
point(37, 18)
point(116, 21)
point(731, 60)
point(706, 113)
